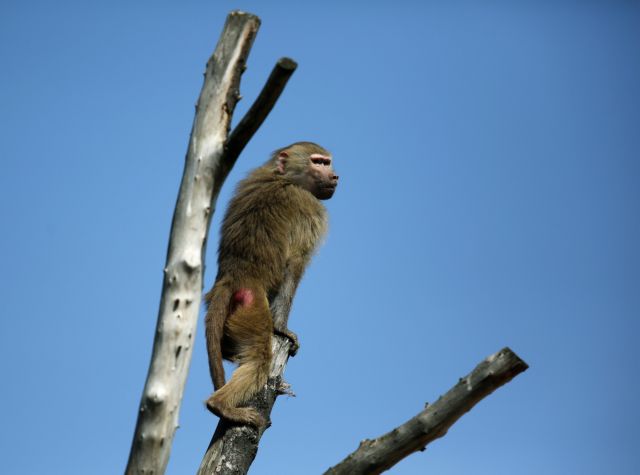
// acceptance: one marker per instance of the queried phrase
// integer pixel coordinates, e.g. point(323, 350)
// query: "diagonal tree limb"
point(202, 180)
point(377, 455)
point(258, 112)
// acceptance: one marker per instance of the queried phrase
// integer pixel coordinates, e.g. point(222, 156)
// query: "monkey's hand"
point(292, 337)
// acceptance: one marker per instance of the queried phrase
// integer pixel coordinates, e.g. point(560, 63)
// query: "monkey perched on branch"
point(272, 226)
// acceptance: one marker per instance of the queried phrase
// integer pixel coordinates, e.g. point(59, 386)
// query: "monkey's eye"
point(320, 161)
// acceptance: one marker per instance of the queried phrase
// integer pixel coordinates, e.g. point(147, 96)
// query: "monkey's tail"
point(218, 302)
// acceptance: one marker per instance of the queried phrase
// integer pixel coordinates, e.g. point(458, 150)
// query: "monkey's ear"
point(282, 160)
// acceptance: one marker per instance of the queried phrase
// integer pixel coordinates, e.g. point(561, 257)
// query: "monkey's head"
point(309, 166)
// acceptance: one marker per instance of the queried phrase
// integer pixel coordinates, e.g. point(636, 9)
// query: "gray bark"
point(183, 272)
point(377, 455)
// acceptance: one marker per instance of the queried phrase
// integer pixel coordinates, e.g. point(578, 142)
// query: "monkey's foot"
point(239, 415)
point(292, 337)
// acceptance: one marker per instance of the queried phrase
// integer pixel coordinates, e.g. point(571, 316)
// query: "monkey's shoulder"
point(267, 197)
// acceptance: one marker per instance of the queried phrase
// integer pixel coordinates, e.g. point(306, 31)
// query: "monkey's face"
point(310, 167)
point(323, 180)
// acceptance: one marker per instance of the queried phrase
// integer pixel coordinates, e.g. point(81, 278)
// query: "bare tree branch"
point(183, 272)
point(377, 455)
point(258, 112)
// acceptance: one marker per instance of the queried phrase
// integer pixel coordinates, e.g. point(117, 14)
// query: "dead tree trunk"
point(210, 156)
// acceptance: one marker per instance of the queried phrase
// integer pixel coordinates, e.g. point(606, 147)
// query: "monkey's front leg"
point(281, 303)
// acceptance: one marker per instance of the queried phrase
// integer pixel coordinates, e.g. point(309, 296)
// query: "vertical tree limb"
point(183, 273)
point(377, 455)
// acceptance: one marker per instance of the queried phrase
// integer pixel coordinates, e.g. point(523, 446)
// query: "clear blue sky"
point(489, 162)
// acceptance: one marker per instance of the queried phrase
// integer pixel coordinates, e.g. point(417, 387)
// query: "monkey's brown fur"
point(270, 230)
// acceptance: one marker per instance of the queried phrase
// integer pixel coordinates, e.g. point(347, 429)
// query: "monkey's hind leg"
point(247, 332)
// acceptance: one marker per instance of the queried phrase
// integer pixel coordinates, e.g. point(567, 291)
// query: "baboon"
point(271, 228)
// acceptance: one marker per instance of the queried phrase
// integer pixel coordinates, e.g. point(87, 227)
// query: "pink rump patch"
point(243, 297)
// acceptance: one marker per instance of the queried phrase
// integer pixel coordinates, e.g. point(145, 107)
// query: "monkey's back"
point(268, 220)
